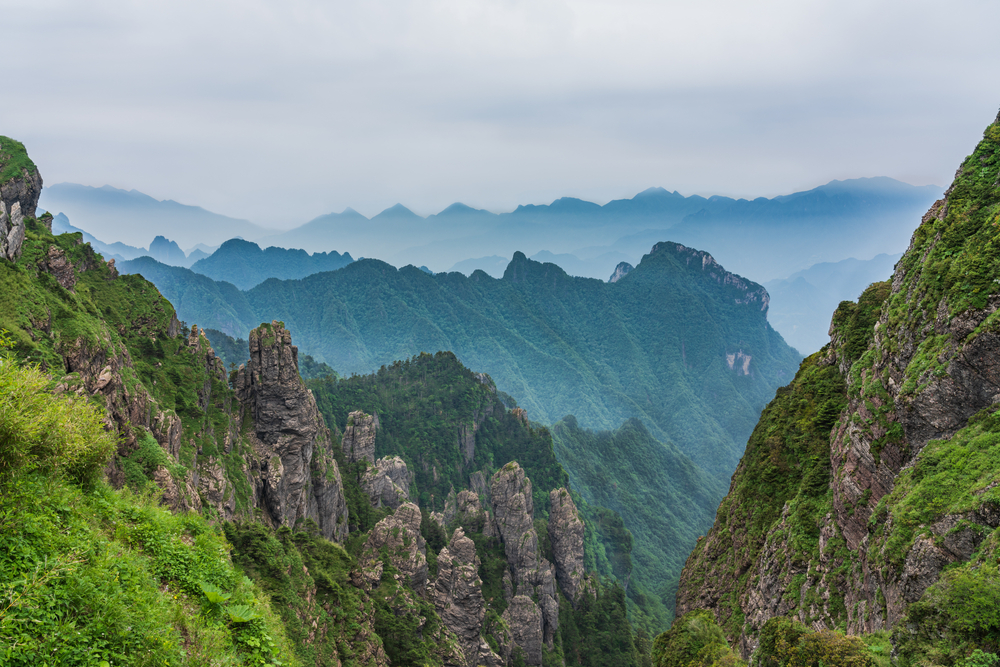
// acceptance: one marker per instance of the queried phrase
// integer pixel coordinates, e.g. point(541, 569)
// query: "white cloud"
point(279, 111)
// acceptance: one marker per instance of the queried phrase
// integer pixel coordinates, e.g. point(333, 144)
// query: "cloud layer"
point(281, 111)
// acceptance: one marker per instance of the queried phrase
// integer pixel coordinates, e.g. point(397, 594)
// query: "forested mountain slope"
point(679, 342)
point(867, 498)
point(245, 265)
point(291, 541)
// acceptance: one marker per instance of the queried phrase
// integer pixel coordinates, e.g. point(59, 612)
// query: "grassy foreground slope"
point(91, 575)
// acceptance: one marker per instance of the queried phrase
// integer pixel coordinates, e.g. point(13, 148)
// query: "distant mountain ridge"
point(761, 238)
point(245, 265)
point(133, 218)
point(558, 344)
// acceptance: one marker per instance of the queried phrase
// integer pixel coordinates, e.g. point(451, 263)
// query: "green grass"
point(14, 159)
point(89, 574)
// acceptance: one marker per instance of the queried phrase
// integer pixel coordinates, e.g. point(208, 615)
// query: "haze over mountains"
point(764, 239)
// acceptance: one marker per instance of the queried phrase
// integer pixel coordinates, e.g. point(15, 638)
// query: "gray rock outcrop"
point(18, 200)
point(388, 483)
point(620, 272)
point(524, 619)
point(400, 535)
point(513, 522)
point(295, 476)
point(458, 597)
point(358, 442)
point(566, 535)
point(513, 514)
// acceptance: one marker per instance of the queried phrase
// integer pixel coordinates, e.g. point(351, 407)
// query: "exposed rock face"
point(926, 362)
point(525, 622)
point(513, 513)
point(358, 442)
point(458, 596)
point(620, 272)
point(566, 534)
point(23, 191)
point(11, 231)
point(296, 476)
point(400, 535)
point(388, 483)
point(18, 200)
point(513, 522)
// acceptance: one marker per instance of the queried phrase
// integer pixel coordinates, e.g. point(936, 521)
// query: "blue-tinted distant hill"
point(801, 304)
point(133, 218)
point(761, 238)
point(245, 265)
point(679, 342)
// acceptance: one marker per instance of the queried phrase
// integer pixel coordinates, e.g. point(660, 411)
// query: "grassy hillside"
point(91, 575)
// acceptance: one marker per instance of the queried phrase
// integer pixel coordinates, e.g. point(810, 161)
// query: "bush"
point(785, 642)
point(694, 640)
point(61, 435)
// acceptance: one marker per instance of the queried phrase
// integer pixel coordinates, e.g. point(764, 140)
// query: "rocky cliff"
point(294, 474)
point(875, 469)
point(20, 187)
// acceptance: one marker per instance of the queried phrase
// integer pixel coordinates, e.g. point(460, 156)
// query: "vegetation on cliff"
point(888, 520)
point(663, 499)
point(90, 575)
point(559, 345)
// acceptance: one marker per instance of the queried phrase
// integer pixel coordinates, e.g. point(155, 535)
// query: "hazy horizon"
point(278, 112)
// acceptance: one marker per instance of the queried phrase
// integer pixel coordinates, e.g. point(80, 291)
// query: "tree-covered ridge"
point(664, 500)
point(562, 345)
point(245, 265)
point(428, 407)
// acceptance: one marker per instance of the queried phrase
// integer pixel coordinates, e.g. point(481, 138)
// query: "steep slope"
point(679, 342)
point(664, 499)
point(245, 265)
point(890, 521)
point(199, 299)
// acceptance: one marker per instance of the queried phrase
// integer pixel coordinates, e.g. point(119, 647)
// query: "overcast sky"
point(282, 111)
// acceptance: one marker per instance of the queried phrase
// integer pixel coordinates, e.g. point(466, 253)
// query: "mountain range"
point(760, 238)
point(605, 352)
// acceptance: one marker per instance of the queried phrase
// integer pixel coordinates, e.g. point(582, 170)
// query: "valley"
point(516, 470)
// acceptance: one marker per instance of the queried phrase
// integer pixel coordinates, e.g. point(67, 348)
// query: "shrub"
point(62, 435)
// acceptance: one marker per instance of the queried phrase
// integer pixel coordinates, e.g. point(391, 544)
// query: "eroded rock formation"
point(458, 597)
point(295, 476)
point(387, 483)
point(358, 442)
point(566, 534)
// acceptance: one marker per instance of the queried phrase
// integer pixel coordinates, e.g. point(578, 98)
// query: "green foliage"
point(787, 643)
point(664, 500)
point(597, 631)
point(953, 263)
point(952, 476)
point(140, 464)
point(100, 575)
point(14, 161)
point(694, 640)
point(306, 578)
point(786, 465)
point(121, 319)
point(423, 404)
point(39, 431)
point(232, 351)
point(954, 618)
point(558, 344)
